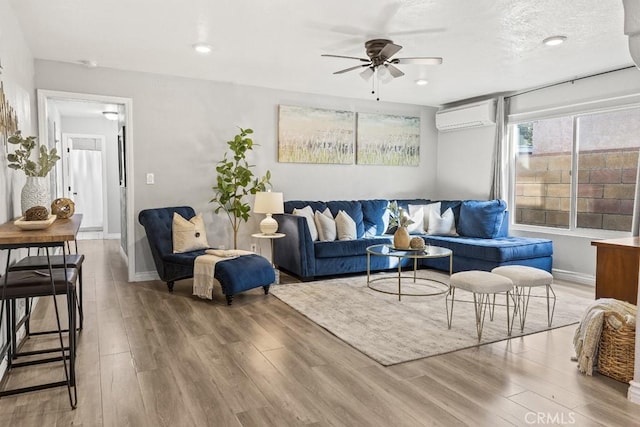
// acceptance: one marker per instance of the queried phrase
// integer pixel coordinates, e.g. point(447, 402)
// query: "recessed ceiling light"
point(421, 82)
point(554, 40)
point(202, 47)
point(89, 63)
point(110, 115)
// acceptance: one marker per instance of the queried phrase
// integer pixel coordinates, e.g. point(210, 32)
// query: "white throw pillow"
point(307, 213)
point(345, 226)
point(418, 222)
point(326, 225)
point(442, 225)
point(188, 235)
point(427, 210)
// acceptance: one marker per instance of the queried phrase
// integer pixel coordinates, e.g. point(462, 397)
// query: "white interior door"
point(84, 177)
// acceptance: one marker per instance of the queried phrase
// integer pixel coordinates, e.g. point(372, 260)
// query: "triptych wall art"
point(315, 135)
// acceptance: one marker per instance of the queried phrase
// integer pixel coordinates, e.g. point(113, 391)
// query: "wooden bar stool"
point(40, 262)
point(30, 284)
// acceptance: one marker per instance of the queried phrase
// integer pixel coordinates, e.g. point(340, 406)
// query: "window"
point(600, 149)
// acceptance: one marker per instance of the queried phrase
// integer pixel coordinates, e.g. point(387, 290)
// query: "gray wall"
point(179, 131)
point(108, 129)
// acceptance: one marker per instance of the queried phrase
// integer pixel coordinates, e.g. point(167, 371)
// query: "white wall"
point(179, 131)
point(108, 129)
point(465, 159)
point(18, 81)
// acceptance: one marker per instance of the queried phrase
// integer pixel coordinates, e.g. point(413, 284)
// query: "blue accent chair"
point(235, 275)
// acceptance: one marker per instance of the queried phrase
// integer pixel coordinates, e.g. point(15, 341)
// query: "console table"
point(618, 268)
point(56, 235)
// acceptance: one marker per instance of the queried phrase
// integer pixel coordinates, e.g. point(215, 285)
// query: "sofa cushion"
point(353, 208)
point(188, 234)
point(185, 258)
point(326, 225)
point(426, 209)
point(375, 216)
point(345, 248)
point(307, 213)
point(480, 218)
point(345, 226)
point(442, 225)
point(499, 250)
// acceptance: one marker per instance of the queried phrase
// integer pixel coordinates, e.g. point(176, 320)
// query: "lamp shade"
point(268, 203)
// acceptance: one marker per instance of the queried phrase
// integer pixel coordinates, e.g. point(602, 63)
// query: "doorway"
point(87, 129)
point(83, 180)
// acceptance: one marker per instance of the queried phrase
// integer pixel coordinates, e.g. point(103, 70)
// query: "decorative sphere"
point(36, 213)
point(63, 208)
point(417, 243)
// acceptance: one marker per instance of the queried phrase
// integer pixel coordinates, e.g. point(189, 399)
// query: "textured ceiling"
point(488, 46)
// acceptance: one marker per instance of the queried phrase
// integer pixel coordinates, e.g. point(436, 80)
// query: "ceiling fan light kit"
point(380, 64)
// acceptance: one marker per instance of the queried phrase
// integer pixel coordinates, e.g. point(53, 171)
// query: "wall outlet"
point(254, 248)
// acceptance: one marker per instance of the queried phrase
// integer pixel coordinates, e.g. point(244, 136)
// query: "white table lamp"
point(268, 203)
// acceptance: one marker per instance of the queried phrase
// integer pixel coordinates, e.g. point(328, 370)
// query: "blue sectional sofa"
point(483, 242)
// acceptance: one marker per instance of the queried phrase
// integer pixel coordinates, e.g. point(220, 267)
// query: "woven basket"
point(616, 350)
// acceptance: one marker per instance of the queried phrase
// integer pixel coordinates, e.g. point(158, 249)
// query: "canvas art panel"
point(315, 135)
point(388, 140)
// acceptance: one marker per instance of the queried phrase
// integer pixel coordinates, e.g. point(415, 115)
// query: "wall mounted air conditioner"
point(467, 116)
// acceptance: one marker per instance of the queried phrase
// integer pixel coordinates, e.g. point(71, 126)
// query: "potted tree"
point(36, 190)
point(235, 181)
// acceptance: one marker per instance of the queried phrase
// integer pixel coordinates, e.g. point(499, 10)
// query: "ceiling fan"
point(380, 61)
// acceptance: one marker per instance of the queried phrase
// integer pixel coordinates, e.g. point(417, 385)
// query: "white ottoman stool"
point(483, 285)
point(524, 278)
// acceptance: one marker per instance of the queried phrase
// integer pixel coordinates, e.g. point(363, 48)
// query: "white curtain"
point(500, 152)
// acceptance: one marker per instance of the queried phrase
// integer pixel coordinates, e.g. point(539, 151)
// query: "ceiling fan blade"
point(419, 60)
point(389, 50)
point(395, 71)
point(351, 69)
point(347, 57)
point(366, 74)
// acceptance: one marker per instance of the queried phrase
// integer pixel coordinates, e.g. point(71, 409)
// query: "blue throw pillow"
point(479, 218)
point(376, 216)
point(290, 205)
point(353, 208)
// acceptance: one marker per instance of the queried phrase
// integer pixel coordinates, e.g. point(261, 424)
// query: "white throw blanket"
point(205, 266)
point(587, 336)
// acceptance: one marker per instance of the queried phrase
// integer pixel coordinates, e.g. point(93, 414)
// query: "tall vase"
point(35, 193)
point(401, 238)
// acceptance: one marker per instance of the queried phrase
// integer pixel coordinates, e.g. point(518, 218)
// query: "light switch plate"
point(150, 178)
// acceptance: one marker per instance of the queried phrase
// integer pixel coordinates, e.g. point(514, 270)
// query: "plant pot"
point(35, 193)
point(401, 238)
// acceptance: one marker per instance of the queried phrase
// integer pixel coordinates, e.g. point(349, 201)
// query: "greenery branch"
point(235, 180)
point(20, 159)
point(398, 217)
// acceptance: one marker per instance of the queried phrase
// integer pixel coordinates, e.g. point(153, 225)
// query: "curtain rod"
point(569, 81)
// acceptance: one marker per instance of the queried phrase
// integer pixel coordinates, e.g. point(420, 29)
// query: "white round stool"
point(524, 278)
point(483, 285)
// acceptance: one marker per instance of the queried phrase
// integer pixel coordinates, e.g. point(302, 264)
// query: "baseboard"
point(633, 394)
point(124, 256)
point(112, 236)
point(572, 276)
point(146, 276)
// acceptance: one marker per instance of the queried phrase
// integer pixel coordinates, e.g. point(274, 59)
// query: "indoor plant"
point(236, 180)
point(35, 191)
point(399, 218)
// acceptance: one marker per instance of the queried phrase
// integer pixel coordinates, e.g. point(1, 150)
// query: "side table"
point(271, 238)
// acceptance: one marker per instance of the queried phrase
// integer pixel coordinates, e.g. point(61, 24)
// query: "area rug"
point(391, 331)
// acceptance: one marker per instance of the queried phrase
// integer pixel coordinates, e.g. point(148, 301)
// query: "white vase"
point(35, 193)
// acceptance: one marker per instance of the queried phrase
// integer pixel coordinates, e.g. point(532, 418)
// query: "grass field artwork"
point(315, 135)
point(388, 140)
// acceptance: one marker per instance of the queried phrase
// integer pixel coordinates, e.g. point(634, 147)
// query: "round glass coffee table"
point(439, 287)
